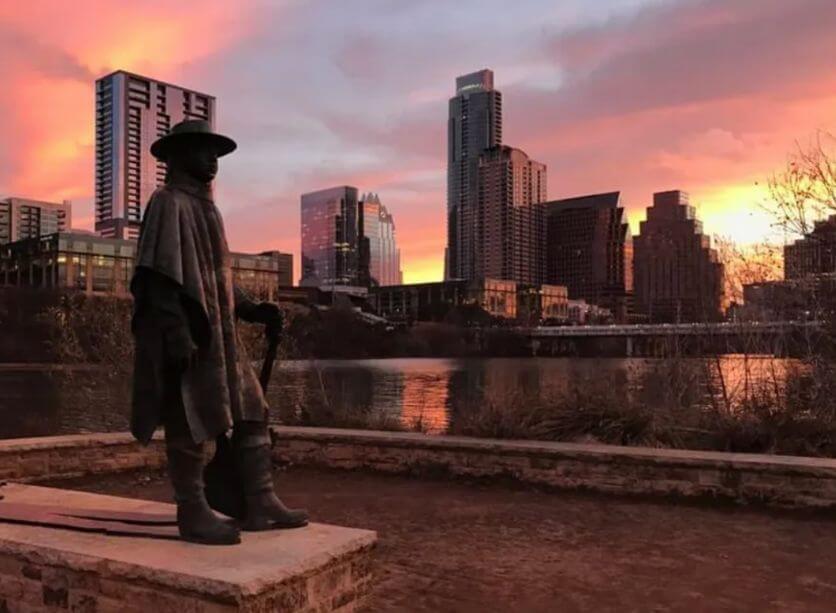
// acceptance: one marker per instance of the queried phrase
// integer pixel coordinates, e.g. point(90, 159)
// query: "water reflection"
point(425, 393)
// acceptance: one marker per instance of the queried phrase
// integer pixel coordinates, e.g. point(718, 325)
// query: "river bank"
point(729, 403)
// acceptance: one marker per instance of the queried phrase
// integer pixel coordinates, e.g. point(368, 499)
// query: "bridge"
point(663, 339)
point(690, 329)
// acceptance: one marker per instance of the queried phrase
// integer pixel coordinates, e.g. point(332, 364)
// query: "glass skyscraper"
point(474, 125)
point(589, 249)
point(380, 258)
point(330, 237)
point(131, 113)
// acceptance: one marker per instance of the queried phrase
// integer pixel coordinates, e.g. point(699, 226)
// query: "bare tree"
point(804, 192)
point(747, 264)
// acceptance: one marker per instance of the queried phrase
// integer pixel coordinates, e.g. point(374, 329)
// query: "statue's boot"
point(264, 509)
point(196, 521)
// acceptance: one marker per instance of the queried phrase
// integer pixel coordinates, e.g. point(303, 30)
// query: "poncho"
point(182, 238)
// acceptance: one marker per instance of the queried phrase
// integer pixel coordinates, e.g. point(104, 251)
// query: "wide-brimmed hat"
point(192, 129)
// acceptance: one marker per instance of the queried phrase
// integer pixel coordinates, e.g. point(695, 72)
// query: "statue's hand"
point(269, 314)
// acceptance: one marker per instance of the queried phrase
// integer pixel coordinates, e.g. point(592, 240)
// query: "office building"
point(85, 262)
point(474, 124)
point(330, 250)
point(22, 218)
point(261, 275)
point(74, 260)
point(677, 275)
point(589, 249)
point(379, 256)
point(510, 235)
point(813, 254)
point(131, 113)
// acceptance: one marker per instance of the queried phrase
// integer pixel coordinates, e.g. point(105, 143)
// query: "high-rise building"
point(678, 277)
point(329, 237)
point(379, 256)
point(589, 249)
point(131, 113)
point(474, 124)
point(509, 236)
point(22, 218)
point(813, 254)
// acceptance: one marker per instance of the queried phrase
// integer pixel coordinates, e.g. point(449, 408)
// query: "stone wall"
point(773, 480)
point(32, 579)
point(55, 457)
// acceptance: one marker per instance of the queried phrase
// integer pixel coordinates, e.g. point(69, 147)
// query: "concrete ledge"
point(316, 568)
point(785, 481)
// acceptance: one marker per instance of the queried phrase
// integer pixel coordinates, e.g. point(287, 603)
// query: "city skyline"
point(599, 97)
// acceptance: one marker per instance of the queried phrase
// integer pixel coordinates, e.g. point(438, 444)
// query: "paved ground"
point(452, 546)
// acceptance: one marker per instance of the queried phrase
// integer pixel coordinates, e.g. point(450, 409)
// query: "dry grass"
point(797, 418)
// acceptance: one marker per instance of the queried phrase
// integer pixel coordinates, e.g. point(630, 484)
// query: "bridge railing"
point(681, 329)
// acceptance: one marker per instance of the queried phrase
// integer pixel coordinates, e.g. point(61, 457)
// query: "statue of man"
point(191, 373)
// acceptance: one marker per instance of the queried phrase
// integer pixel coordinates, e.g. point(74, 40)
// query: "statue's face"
point(197, 160)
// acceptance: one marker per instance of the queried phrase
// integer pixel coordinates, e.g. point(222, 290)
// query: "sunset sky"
point(707, 96)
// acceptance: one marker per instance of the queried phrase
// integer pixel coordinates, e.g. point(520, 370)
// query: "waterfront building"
point(83, 261)
point(498, 298)
point(419, 301)
point(589, 249)
point(813, 254)
point(474, 124)
point(74, 260)
point(132, 111)
point(542, 304)
point(22, 218)
point(330, 250)
point(582, 313)
point(379, 256)
point(510, 234)
point(677, 275)
point(262, 274)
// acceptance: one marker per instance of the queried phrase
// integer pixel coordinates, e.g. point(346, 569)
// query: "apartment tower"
point(509, 233)
point(131, 113)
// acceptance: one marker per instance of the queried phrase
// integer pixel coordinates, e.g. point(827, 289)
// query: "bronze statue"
point(191, 373)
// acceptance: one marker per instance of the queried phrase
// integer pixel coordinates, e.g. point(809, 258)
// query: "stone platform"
point(317, 568)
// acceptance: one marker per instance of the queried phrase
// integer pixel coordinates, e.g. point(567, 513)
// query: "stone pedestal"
point(317, 568)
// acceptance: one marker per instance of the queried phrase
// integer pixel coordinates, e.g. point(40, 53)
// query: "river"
point(424, 393)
